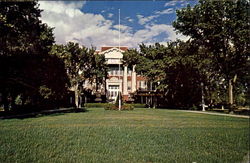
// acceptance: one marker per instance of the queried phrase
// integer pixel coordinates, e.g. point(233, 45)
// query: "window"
point(114, 70)
point(116, 87)
point(142, 84)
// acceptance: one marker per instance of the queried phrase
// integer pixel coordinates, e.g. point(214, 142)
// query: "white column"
point(133, 82)
point(125, 80)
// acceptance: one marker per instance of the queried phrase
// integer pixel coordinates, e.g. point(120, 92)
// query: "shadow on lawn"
point(56, 112)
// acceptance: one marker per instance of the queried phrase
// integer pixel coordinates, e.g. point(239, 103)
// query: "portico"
point(120, 77)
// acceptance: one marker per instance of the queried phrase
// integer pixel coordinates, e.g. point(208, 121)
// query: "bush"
point(139, 105)
point(127, 107)
point(111, 107)
point(194, 108)
point(114, 107)
point(96, 105)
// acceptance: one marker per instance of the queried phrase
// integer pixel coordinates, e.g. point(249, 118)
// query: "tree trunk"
point(80, 101)
point(76, 96)
point(105, 89)
point(230, 92)
point(202, 97)
point(96, 85)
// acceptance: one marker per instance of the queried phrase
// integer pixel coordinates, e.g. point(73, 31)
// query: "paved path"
point(206, 112)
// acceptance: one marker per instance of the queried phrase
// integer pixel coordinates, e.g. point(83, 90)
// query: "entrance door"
point(113, 91)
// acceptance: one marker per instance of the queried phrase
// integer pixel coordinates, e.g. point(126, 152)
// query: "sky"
point(96, 23)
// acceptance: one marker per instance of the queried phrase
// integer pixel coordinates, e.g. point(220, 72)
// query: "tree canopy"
point(26, 68)
point(221, 28)
point(82, 64)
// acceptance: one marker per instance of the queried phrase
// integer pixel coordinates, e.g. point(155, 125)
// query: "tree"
point(222, 28)
point(100, 70)
point(171, 69)
point(82, 64)
point(26, 68)
point(131, 57)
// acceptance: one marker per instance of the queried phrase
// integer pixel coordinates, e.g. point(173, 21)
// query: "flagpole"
point(119, 95)
point(119, 28)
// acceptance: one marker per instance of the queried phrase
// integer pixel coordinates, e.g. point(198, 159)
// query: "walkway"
point(206, 112)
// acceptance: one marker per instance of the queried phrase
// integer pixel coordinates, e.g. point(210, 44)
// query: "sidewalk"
point(222, 114)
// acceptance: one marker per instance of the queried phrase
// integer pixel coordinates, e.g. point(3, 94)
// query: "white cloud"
point(166, 11)
point(110, 15)
point(143, 20)
point(123, 28)
point(171, 3)
point(176, 2)
point(71, 24)
point(147, 35)
point(129, 19)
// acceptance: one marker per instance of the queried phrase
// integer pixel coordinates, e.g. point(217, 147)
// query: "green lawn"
point(142, 135)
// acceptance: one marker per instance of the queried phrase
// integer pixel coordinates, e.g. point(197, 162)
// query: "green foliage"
point(131, 57)
point(108, 106)
point(81, 64)
point(111, 107)
point(221, 30)
point(45, 92)
point(217, 52)
point(172, 69)
point(95, 105)
point(127, 107)
point(194, 107)
point(123, 107)
point(138, 105)
point(25, 64)
point(18, 100)
point(100, 69)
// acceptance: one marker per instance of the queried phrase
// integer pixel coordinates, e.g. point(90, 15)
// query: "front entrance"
point(113, 91)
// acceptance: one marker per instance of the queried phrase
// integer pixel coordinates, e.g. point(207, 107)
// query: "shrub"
point(194, 108)
point(95, 105)
point(138, 105)
point(114, 107)
point(127, 107)
point(111, 107)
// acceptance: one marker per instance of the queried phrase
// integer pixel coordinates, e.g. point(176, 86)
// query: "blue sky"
point(95, 23)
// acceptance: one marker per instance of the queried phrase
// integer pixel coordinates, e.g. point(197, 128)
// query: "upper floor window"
point(114, 87)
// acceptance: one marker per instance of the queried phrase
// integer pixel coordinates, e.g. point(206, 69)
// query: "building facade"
point(121, 78)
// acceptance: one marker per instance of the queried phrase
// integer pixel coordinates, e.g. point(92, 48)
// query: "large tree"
point(26, 68)
point(82, 64)
point(221, 28)
point(171, 69)
point(99, 70)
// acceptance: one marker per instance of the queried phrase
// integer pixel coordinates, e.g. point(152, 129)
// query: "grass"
point(142, 135)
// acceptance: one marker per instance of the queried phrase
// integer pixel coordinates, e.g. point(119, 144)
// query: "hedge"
point(95, 105)
point(139, 105)
point(123, 107)
point(103, 105)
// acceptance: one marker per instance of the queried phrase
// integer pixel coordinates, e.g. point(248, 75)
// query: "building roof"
point(124, 48)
